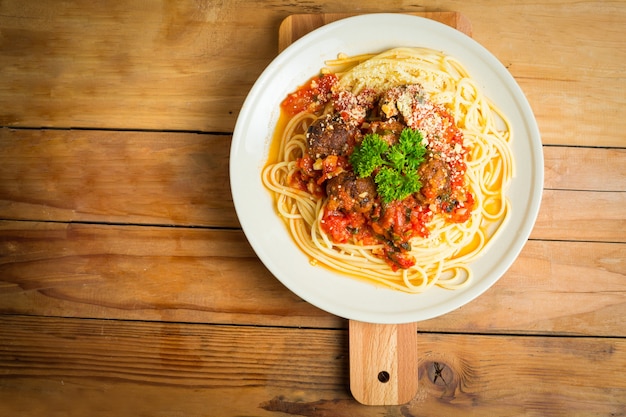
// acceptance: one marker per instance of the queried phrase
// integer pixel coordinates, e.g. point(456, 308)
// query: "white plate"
point(266, 232)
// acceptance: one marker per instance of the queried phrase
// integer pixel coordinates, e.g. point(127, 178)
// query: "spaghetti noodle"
point(356, 222)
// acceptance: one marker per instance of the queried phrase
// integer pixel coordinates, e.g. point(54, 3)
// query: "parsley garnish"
point(369, 155)
point(397, 176)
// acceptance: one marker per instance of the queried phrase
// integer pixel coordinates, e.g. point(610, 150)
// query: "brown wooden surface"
point(165, 369)
point(128, 288)
point(384, 362)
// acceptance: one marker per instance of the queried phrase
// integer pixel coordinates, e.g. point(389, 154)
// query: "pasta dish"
point(393, 168)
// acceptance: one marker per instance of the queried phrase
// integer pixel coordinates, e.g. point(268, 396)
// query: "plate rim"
point(531, 209)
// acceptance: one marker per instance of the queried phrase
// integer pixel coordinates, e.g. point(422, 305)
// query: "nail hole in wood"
point(383, 376)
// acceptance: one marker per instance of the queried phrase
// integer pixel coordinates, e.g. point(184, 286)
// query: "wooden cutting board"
point(383, 357)
point(294, 27)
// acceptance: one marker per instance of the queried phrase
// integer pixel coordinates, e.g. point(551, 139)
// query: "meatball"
point(329, 136)
point(349, 193)
point(400, 101)
point(388, 130)
point(435, 180)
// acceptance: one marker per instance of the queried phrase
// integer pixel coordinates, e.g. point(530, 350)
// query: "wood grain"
point(116, 177)
point(584, 168)
point(127, 287)
point(155, 273)
point(165, 369)
point(582, 216)
point(182, 179)
point(383, 362)
point(188, 65)
point(203, 275)
point(172, 66)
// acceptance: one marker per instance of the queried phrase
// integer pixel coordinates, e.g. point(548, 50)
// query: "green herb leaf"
point(397, 176)
point(392, 185)
point(410, 144)
point(368, 156)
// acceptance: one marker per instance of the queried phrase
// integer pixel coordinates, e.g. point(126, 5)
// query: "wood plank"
point(124, 65)
point(383, 362)
point(591, 169)
point(66, 367)
point(118, 177)
point(202, 275)
point(581, 216)
point(169, 274)
point(182, 179)
point(172, 67)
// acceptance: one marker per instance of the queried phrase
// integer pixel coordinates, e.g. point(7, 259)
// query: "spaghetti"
point(348, 148)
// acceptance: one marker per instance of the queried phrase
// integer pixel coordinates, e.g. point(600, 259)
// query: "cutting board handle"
point(383, 362)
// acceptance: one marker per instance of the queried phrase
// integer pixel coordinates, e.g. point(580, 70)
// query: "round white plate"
point(341, 295)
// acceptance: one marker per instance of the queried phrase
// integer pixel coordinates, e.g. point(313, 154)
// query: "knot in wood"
point(440, 374)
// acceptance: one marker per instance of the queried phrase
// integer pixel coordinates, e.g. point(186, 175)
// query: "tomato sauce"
point(311, 96)
point(392, 225)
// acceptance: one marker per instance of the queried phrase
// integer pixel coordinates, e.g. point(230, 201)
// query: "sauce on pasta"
point(393, 168)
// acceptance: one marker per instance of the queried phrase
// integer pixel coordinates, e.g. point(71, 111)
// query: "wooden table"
point(128, 288)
